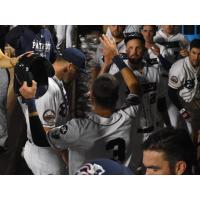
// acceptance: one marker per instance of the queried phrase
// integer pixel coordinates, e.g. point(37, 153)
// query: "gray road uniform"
point(186, 80)
point(149, 83)
point(51, 109)
point(98, 137)
point(4, 82)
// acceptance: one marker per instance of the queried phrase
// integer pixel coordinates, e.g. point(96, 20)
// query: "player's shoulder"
point(178, 66)
point(180, 36)
point(179, 63)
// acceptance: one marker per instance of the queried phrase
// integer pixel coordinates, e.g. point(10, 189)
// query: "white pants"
point(43, 160)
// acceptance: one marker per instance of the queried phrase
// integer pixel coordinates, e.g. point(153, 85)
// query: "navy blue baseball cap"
point(103, 167)
point(74, 56)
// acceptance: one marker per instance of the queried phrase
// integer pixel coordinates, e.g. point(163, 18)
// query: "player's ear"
point(67, 66)
point(180, 167)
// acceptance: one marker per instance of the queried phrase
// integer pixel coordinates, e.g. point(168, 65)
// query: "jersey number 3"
point(118, 146)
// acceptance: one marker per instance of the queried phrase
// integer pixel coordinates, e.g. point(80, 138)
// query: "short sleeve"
point(131, 105)
point(64, 136)
point(176, 76)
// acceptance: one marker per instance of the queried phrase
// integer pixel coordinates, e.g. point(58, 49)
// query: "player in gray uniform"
point(52, 109)
point(177, 48)
point(184, 88)
point(104, 133)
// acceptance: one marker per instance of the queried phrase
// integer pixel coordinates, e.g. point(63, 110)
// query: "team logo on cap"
point(90, 169)
point(49, 117)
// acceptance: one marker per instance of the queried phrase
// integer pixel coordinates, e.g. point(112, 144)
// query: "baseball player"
point(177, 47)
point(148, 77)
point(157, 55)
point(104, 133)
point(52, 110)
point(184, 87)
point(175, 43)
point(169, 152)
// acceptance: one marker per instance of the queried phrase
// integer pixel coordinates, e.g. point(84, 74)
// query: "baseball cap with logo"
point(103, 167)
point(74, 56)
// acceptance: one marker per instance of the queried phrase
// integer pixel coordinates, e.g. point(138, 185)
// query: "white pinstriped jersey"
point(186, 79)
point(173, 44)
point(97, 137)
point(162, 70)
point(50, 107)
point(149, 82)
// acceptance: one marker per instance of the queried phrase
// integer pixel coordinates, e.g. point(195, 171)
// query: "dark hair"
point(134, 35)
point(195, 44)
point(176, 145)
point(155, 28)
point(105, 91)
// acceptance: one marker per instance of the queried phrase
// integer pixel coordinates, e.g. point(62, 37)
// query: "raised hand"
point(109, 48)
point(155, 49)
point(28, 92)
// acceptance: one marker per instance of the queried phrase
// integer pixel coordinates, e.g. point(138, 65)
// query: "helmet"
point(31, 68)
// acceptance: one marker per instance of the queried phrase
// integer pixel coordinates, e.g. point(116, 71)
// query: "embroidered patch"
point(63, 129)
point(49, 117)
point(174, 79)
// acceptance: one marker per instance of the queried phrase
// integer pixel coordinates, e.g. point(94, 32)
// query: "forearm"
point(162, 109)
point(37, 131)
point(127, 74)
point(174, 97)
point(104, 68)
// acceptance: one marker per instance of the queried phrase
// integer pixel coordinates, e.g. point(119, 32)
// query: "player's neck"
point(103, 112)
point(58, 72)
point(149, 44)
point(168, 34)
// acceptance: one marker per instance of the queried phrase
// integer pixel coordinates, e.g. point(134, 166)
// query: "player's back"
point(97, 137)
point(102, 138)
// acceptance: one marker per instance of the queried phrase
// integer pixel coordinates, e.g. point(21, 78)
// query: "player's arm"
point(111, 54)
point(174, 96)
point(162, 109)
point(37, 130)
point(164, 62)
point(173, 91)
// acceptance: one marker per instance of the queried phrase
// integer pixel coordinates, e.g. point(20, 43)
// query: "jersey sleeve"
point(131, 105)
point(176, 76)
point(65, 136)
point(48, 108)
